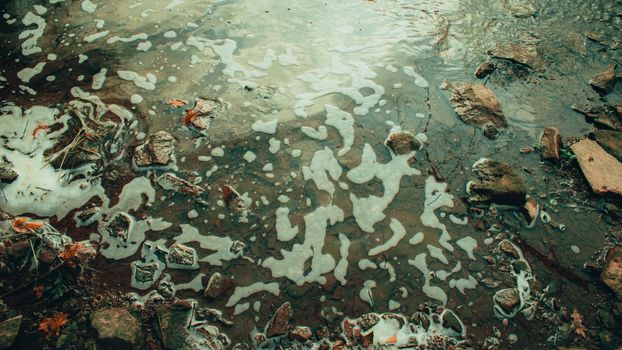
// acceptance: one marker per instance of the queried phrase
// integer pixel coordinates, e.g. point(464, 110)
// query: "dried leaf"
point(577, 323)
point(175, 102)
point(189, 117)
point(40, 127)
point(52, 325)
point(22, 225)
point(83, 250)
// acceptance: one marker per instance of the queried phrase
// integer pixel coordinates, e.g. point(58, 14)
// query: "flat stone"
point(402, 142)
point(550, 144)
point(484, 70)
point(610, 141)
point(524, 54)
point(498, 183)
point(157, 151)
point(508, 299)
point(612, 271)
point(182, 257)
point(604, 81)
point(172, 325)
point(203, 106)
point(477, 104)
point(603, 116)
point(9, 329)
point(117, 328)
point(601, 169)
point(279, 323)
point(171, 182)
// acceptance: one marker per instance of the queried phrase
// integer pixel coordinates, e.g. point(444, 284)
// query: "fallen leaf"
point(391, 340)
point(82, 250)
point(577, 323)
point(175, 102)
point(189, 117)
point(22, 225)
point(38, 291)
point(40, 127)
point(52, 325)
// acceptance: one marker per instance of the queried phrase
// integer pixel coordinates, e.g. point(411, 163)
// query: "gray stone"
point(612, 271)
point(117, 328)
point(508, 300)
point(610, 141)
point(604, 81)
point(157, 151)
point(171, 182)
point(498, 183)
point(524, 54)
point(476, 104)
point(9, 329)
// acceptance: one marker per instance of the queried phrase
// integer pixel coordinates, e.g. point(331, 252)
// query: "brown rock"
point(600, 168)
point(530, 210)
point(524, 54)
point(9, 329)
point(477, 104)
point(217, 286)
point(484, 70)
point(610, 141)
point(508, 248)
point(498, 183)
point(171, 182)
point(279, 323)
point(402, 142)
point(117, 329)
point(603, 116)
point(612, 271)
point(550, 144)
point(19, 248)
point(300, 333)
point(604, 81)
point(157, 151)
point(508, 299)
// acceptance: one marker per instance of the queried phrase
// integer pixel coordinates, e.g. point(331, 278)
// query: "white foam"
point(366, 294)
point(249, 157)
point(320, 134)
point(220, 244)
point(436, 197)
point(28, 73)
point(284, 229)
point(31, 36)
point(468, 244)
point(430, 291)
point(147, 82)
point(416, 238)
point(257, 287)
point(437, 253)
point(95, 36)
point(398, 233)
point(275, 145)
point(88, 6)
point(323, 162)
point(268, 127)
point(344, 123)
point(419, 80)
point(342, 266)
point(99, 79)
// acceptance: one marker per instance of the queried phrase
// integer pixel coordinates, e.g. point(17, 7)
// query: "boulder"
point(600, 168)
point(498, 183)
point(279, 323)
point(117, 328)
point(550, 144)
point(171, 182)
point(9, 329)
point(524, 54)
point(610, 141)
point(476, 104)
point(485, 69)
point(612, 271)
point(604, 81)
point(156, 152)
point(402, 142)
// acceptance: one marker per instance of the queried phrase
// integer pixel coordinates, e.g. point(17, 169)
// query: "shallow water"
point(286, 61)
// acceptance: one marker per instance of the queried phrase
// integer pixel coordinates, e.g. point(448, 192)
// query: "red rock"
point(550, 144)
point(612, 271)
point(279, 323)
point(600, 168)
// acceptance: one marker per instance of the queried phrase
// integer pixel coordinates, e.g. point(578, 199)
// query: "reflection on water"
point(301, 200)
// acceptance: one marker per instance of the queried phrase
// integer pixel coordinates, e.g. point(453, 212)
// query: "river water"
point(308, 91)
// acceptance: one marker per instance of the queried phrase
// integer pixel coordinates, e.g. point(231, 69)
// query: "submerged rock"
point(603, 116)
point(600, 168)
point(119, 226)
point(612, 271)
point(498, 183)
point(508, 300)
point(604, 81)
point(9, 329)
point(610, 141)
point(173, 321)
point(117, 328)
point(156, 152)
point(171, 182)
point(279, 323)
point(402, 142)
point(476, 104)
point(550, 144)
point(182, 257)
point(485, 69)
point(524, 54)
point(217, 286)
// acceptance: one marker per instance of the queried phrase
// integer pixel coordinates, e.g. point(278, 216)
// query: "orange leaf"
point(175, 102)
point(577, 323)
point(40, 127)
point(391, 340)
point(82, 250)
point(52, 325)
point(189, 117)
point(22, 225)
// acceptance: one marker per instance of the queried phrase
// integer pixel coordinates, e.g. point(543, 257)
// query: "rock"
point(217, 286)
point(206, 107)
point(550, 144)
point(300, 333)
point(119, 226)
point(600, 168)
point(507, 299)
point(610, 141)
point(279, 323)
point(490, 131)
point(612, 271)
point(477, 104)
point(498, 183)
point(530, 211)
point(18, 248)
point(117, 328)
point(156, 152)
point(9, 329)
point(604, 81)
point(484, 70)
point(451, 321)
point(182, 257)
point(7, 174)
point(172, 325)
point(171, 182)
point(402, 142)
point(524, 54)
point(603, 116)
point(508, 248)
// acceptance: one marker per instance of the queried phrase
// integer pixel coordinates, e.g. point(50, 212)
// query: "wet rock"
point(509, 248)
point(173, 321)
point(498, 183)
point(206, 107)
point(119, 226)
point(600, 168)
point(612, 271)
point(524, 54)
point(508, 300)
point(7, 174)
point(171, 182)
point(484, 70)
point(117, 328)
point(217, 286)
point(530, 211)
point(235, 203)
point(604, 81)
point(300, 333)
point(182, 257)
point(156, 152)
point(259, 339)
point(490, 131)
point(550, 144)
point(451, 321)
point(279, 323)
point(610, 141)
point(402, 142)
point(602, 116)
point(9, 329)
point(477, 104)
